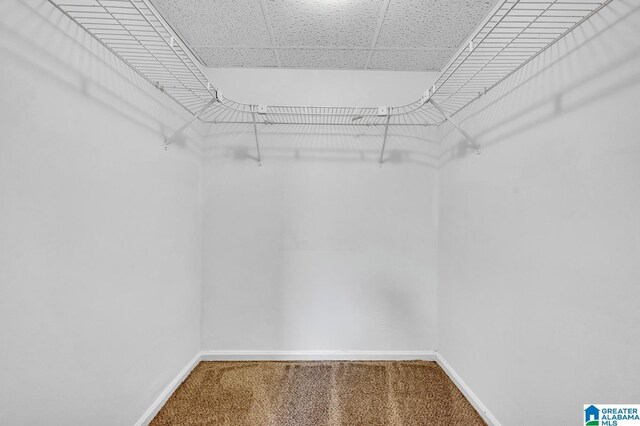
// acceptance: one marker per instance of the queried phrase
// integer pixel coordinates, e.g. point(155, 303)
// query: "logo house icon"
point(591, 416)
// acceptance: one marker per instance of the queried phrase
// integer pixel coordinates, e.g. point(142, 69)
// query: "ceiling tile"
point(410, 60)
point(431, 23)
point(217, 22)
point(324, 58)
point(343, 23)
point(237, 57)
point(319, 34)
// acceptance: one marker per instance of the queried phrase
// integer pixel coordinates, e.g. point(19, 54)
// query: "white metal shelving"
point(137, 34)
point(515, 32)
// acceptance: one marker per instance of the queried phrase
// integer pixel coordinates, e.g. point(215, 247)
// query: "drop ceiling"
point(408, 35)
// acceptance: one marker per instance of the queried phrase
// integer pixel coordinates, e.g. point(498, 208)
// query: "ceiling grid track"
point(267, 21)
point(302, 46)
point(383, 13)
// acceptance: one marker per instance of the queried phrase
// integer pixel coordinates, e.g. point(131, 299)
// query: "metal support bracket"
point(255, 132)
point(386, 131)
point(177, 133)
point(456, 125)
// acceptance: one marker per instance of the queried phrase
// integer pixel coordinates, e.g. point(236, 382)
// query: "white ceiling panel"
point(217, 23)
point(431, 23)
point(333, 34)
point(343, 23)
point(410, 60)
point(324, 58)
point(237, 57)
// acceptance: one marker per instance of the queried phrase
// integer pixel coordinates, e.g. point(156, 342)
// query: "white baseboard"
point(167, 392)
point(467, 392)
point(316, 355)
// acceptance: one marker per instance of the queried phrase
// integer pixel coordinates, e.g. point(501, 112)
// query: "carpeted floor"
point(406, 393)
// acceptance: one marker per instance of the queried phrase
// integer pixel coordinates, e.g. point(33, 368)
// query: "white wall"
point(321, 87)
point(100, 244)
point(539, 267)
point(103, 256)
point(320, 249)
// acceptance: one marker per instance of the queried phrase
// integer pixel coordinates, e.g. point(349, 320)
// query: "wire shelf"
point(137, 34)
point(513, 34)
point(516, 32)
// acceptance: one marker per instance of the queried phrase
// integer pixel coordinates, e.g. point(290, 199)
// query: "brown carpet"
point(317, 393)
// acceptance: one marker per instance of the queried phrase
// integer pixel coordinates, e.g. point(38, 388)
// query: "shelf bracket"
point(255, 132)
point(384, 140)
point(177, 133)
point(456, 125)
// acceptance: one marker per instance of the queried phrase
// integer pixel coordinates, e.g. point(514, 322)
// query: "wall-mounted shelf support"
point(456, 125)
point(197, 115)
point(386, 131)
point(255, 132)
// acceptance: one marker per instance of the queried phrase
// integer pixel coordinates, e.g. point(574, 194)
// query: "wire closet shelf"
point(514, 33)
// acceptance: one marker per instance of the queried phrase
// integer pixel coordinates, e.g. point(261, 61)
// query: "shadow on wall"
point(36, 34)
point(305, 142)
point(556, 82)
point(403, 312)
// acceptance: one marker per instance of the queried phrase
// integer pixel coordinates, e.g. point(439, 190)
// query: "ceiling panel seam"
point(386, 49)
point(267, 21)
point(374, 42)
